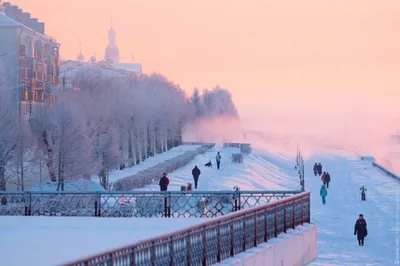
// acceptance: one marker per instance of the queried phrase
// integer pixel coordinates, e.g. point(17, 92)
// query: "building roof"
point(6, 21)
point(133, 67)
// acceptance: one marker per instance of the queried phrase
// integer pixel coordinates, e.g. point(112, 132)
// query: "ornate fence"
point(135, 204)
point(212, 241)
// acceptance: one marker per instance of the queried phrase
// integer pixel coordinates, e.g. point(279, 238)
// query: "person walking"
point(315, 169)
point(360, 229)
point(164, 182)
point(323, 193)
point(327, 179)
point(363, 189)
point(196, 174)
point(323, 178)
point(319, 169)
point(218, 159)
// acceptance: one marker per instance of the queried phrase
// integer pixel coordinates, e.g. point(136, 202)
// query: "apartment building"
point(29, 60)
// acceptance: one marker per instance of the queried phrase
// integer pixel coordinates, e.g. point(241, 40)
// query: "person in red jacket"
point(323, 178)
point(164, 182)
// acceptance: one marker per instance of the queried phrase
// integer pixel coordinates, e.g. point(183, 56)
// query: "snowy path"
point(260, 170)
point(335, 220)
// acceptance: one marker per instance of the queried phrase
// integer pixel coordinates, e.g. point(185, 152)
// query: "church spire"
point(81, 56)
point(112, 51)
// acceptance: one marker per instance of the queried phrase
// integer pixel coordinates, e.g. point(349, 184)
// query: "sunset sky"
point(320, 57)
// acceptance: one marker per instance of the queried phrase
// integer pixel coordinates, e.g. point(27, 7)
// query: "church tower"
point(112, 51)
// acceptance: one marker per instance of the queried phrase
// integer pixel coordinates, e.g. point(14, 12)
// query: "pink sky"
point(298, 59)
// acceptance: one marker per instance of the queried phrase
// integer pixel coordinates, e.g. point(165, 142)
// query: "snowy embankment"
point(149, 162)
point(139, 178)
point(260, 170)
point(296, 247)
point(336, 243)
point(49, 241)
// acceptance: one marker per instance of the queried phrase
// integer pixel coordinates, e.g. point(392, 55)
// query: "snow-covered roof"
point(134, 67)
point(6, 21)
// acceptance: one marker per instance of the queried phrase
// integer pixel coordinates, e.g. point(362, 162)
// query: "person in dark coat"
point(218, 159)
point(164, 182)
point(319, 169)
point(360, 229)
point(327, 179)
point(315, 169)
point(196, 173)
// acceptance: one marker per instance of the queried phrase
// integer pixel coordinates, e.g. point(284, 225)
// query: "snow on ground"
point(260, 170)
point(149, 162)
point(49, 241)
point(336, 243)
point(70, 185)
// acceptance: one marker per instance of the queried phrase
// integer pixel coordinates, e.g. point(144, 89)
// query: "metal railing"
point(174, 204)
point(385, 170)
point(212, 241)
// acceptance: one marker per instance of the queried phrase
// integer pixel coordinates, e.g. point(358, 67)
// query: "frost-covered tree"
point(9, 129)
point(60, 131)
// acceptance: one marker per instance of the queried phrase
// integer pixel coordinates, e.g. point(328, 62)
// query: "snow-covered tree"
point(9, 129)
point(60, 131)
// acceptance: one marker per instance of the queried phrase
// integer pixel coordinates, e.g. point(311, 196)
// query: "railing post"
point(302, 211)
point(189, 249)
point(219, 242)
point(276, 222)
point(96, 205)
point(232, 240)
point(244, 233)
point(28, 204)
point(153, 252)
point(100, 205)
point(165, 205)
point(169, 205)
point(204, 246)
point(172, 252)
point(309, 209)
point(255, 229)
point(134, 256)
point(284, 218)
point(266, 225)
point(294, 214)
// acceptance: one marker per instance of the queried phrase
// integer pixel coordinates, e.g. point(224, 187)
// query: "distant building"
point(129, 68)
point(81, 56)
point(112, 51)
point(28, 58)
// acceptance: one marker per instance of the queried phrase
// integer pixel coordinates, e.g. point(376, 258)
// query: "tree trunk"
point(22, 172)
point(52, 172)
point(2, 178)
point(121, 159)
point(145, 144)
point(130, 149)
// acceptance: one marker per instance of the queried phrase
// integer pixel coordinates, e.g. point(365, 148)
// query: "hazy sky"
point(305, 57)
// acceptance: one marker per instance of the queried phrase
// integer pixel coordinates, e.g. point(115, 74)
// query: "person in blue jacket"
point(323, 193)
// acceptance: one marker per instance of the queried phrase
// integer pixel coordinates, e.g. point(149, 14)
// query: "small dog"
point(209, 164)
